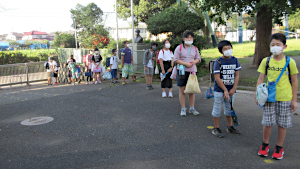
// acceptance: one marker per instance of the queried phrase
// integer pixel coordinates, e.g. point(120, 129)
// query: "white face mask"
point(96, 52)
point(188, 42)
point(276, 50)
point(167, 45)
point(228, 53)
point(91, 52)
point(128, 45)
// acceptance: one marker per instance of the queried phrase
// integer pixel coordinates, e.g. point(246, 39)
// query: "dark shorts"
point(182, 79)
point(55, 74)
point(70, 74)
point(114, 73)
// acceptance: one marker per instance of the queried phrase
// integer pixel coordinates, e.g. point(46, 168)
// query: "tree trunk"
point(263, 34)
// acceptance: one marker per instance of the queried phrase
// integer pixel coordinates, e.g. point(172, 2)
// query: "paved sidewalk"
point(106, 126)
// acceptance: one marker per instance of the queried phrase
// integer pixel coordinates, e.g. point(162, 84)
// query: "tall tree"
point(294, 21)
point(142, 9)
point(266, 11)
point(89, 22)
point(64, 40)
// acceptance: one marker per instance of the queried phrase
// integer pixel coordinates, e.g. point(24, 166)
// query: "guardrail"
point(22, 73)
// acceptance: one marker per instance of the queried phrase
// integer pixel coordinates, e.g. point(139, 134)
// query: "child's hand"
point(145, 68)
point(294, 106)
point(188, 65)
point(226, 95)
point(231, 92)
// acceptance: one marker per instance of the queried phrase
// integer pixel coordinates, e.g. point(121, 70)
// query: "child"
point(149, 64)
point(280, 112)
point(89, 65)
point(97, 60)
point(127, 63)
point(73, 68)
point(166, 60)
point(188, 55)
point(226, 80)
point(52, 71)
point(114, 60)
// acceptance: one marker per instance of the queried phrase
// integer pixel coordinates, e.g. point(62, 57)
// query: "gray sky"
point(46, 16)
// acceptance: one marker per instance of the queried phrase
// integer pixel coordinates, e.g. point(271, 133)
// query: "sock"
point(266, 144)
point(278, 146)
point(182, 108)
point(192, 108)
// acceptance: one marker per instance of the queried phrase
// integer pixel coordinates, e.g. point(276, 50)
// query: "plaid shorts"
point(279, 112)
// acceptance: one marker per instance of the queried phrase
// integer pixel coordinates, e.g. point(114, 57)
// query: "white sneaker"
point(164, 95)
point(96, 82)
point(183, 112)
point(194, 112)
point(99, 82)
point(86, 83)
point(170, 94)
point(73, 83)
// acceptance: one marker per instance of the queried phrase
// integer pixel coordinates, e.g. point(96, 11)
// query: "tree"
point(64, 40)
point(142, 9)
point(185, 20)
point(266, 11)
point(294, 21)
point(89, 22)
point(249, 21)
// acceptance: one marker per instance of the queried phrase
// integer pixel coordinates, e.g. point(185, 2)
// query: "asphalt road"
point(105, 126)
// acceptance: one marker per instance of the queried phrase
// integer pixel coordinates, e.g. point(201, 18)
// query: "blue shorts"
point(218, 104)
point(114, 73)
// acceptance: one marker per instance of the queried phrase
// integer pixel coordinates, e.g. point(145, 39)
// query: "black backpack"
point(46, 65)
point(108, 62)
point(120, 51)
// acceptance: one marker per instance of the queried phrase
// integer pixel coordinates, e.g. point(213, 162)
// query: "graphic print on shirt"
point(228, 74)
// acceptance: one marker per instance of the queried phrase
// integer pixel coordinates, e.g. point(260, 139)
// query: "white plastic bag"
point(174, 73)
point(262, 94)
point(156, 70)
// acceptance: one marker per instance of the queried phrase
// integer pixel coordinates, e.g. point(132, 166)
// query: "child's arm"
point(222, 86)
point(260, 80)
point(236, 81)
point(295, 91)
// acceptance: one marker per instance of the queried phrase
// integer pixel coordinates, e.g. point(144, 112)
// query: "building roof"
point(35, 33)
point(18, 35)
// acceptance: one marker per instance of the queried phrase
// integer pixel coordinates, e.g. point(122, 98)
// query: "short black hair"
point(222, 44)
point(51, 58)
point(164, 42)
point(279, 36)
point(187, 33)
point(113, 51)
point(153, 43)
point(125, 42)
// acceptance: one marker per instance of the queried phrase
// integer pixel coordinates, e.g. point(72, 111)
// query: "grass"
point(247, 50)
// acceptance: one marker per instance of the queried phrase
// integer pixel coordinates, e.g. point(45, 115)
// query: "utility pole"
point(212, 34)
point(117, 28)
point(132, 21)
point(240, 27)
point(74, 21)
point(287, 25)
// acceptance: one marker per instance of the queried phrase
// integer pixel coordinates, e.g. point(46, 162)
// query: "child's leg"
point(281, 136)
point(191, 98)
point(147, 79)
point(268, 121)
point(150, 79)
point(218, 103)
point(283, 119)
point(182, 96)
point(227, 109)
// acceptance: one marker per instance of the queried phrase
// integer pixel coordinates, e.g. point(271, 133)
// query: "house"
point(35, 35)
point(3, 37)
point(14, 36)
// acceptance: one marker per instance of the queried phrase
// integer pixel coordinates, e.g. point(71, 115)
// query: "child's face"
point(276, 42)
point(115, 53)
point(189, 38)
point(226, 48)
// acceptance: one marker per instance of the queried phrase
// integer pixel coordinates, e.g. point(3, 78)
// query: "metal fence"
point(22, 73)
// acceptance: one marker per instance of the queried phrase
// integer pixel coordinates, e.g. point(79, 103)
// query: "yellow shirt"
point(283, 87)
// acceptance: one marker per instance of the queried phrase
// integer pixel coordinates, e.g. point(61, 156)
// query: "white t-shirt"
point(114, 60)
point(150, 64)
point(167, 55)
point(52, 64)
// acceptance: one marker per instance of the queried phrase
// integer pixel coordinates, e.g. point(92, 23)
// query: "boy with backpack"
point(278, 109)
point(226, 73)
point(149, 64)
point(114, 61)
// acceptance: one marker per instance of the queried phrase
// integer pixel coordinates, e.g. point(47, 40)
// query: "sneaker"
point(264, 149)
point(170, 94)
point(135, 80)
point(217, 132)
point(183, 112)
point(278, 153)
point(164, 95)
point(195, 112)
point(55, 83)
point(151, 87)
point(232, 130)
point(91, 82)
point(148, 87)
point(99, 82)
point(73, 83)
point(86, 83)
point(123, 83)
point(96, 82)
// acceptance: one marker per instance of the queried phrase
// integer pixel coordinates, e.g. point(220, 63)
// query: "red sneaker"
point(55, 83)
point(278, 153)
point(264, 149)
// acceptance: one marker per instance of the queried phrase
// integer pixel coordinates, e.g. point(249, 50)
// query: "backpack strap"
point(267, 64)
point(286, 59)
point(283, 70)
point(180, 47)
point(221, 68)
point(290, 78)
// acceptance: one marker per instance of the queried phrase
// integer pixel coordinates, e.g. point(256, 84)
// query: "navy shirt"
point(228, 73)
point(127, 55)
